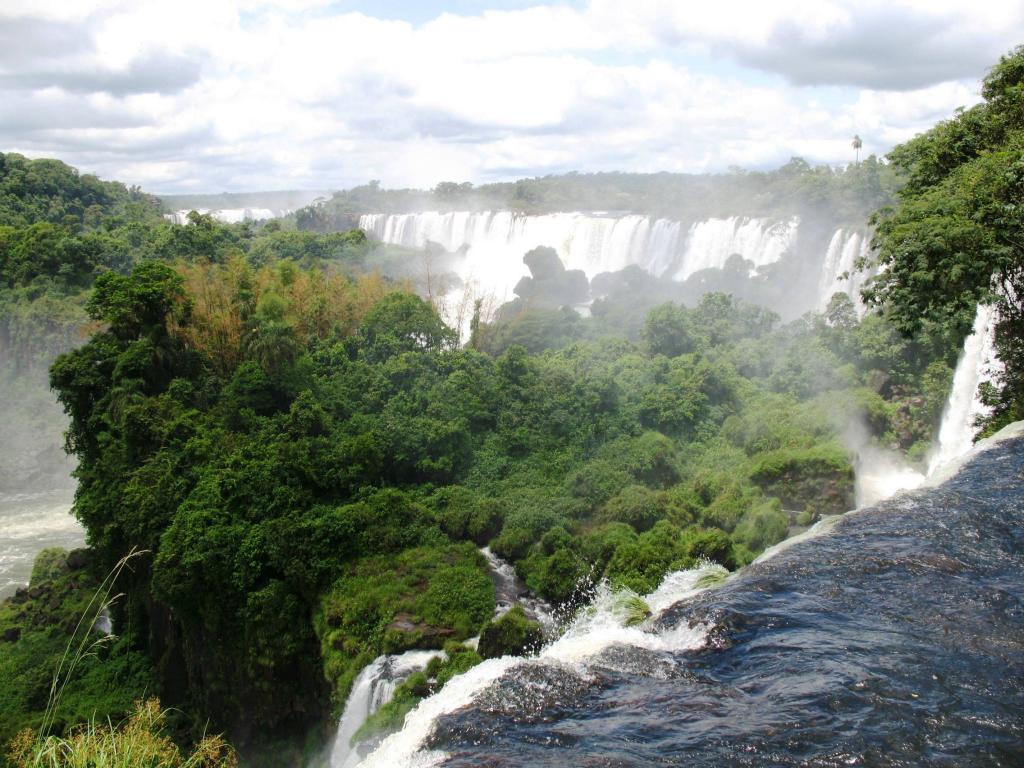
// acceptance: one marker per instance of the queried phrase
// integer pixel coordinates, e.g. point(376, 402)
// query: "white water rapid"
point(595, 630)
point(30, 522)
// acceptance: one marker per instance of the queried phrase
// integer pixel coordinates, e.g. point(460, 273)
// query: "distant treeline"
point(848, 195)
point(281, 200)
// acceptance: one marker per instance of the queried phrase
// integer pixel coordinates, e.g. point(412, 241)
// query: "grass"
point(139, 742)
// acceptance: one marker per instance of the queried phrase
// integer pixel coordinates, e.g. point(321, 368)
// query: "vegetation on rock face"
point(46, 629)
point(511, 634)
point(956, 236)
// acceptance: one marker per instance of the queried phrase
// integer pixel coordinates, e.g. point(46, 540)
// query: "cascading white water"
point(710, 243)
point(509, 591)
point(371, 690)
point(838, 271)
point(594, 630)
point(977, 362)
point(881, 474)
point(494, 242)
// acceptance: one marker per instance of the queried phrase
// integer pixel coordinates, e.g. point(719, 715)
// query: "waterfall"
point(510, 591)
point(710, 243)
point(495, 241)
point(594, 631)
point(977, 362)
point(838, 273)
point(371, 690)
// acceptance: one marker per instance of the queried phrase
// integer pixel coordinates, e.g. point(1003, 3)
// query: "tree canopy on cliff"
point(956, 236)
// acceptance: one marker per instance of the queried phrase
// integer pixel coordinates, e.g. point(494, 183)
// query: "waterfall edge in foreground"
point(894, 639)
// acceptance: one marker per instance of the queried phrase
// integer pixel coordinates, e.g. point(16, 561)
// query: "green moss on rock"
point(512, 634)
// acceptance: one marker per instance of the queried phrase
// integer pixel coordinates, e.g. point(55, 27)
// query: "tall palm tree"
point(857, 144)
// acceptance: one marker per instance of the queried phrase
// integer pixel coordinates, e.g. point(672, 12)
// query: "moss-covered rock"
point(420, 598)
point(821, 476)
point(512, 634)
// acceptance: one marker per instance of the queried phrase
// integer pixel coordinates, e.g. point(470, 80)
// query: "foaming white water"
point(29, 523)
point(495, 241)
point(977, 362)
point(595, 629)
point(710, 243)
point(371, 690)
point(824, 525)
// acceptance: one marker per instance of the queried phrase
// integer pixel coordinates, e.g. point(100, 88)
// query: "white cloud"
point(270, 93)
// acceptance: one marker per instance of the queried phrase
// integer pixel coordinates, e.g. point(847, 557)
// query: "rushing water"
point(371, 690)
point(536, 688)
point(30, 522)
point(492, 243)
point(894, 636)
point(839, 273)
point(977, 363)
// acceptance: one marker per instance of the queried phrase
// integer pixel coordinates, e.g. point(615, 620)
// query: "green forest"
point(291, 462)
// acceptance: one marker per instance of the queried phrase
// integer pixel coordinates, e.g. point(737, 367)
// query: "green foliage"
point(955, 237)
point(419, 598)
point(511, 634)
point(855, 191)
point(139, 741)
point(39, 627)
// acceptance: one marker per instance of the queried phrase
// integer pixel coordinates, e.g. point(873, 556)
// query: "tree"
point(956, 237)
point(669, 331)
point(403, 322)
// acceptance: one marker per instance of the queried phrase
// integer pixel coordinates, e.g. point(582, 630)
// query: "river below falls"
point(30, 522)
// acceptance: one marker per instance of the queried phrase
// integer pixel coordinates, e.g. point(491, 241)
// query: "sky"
point(241, 95)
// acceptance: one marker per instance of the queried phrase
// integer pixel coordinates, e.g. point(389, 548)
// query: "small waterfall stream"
point(977, 362)
point(371, 690)
point(510, 591)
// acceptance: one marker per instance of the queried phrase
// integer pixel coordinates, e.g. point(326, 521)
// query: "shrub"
point(513, 634)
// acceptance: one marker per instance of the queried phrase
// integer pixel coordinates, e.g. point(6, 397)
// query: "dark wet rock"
point(11, 634)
